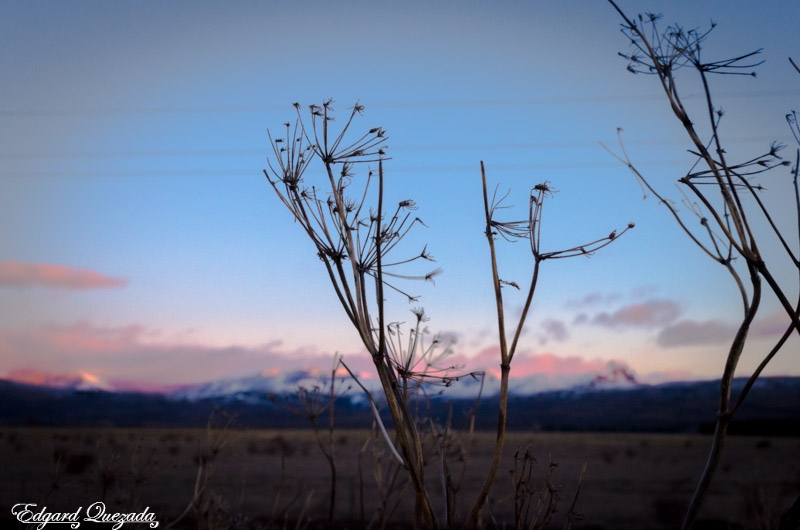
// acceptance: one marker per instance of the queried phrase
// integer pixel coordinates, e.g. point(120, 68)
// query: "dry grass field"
point(276, 479)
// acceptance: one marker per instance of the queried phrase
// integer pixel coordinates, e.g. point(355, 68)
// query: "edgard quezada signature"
point(31, 513)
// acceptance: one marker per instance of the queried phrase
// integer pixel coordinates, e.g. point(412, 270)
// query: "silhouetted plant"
point(417, 362)
point(723, 195)
point(355, 242)
point(527, 514)
point(203, 504)
point(106, 469)
point(312, 403)
point(144, 468)
point(281, 509)
point(528, 228)
point(391, 482)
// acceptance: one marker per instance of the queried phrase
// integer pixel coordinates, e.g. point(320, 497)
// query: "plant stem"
point(505, 369)
point(724, 416)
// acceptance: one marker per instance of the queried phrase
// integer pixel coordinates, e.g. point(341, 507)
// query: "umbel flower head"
point(332, 183)
point(421, 358)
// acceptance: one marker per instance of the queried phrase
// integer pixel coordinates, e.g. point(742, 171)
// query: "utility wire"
point(265, 151)
point(257, 171)
point(238, 109)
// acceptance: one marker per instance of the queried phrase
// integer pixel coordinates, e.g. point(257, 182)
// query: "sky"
point(141, 246)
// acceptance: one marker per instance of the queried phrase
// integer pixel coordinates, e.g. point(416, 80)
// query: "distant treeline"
point(772, 409)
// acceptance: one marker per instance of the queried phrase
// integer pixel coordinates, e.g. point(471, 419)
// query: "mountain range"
point(612, 401)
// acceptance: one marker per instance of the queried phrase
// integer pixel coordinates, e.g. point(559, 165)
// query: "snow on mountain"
point(260, 386)
point(256, 386)
point(61, 381)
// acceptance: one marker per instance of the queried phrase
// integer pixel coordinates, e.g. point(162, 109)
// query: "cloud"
point(773, 325)
point(693, 333)
point(526, 363)
point(83, 380)
point(555, 365)
point(135, 356)
point(83, 338)
point(581, 318)
point(652, 313)
point(541, 372)
point(449, 338)
point(553, 330)
point(594, 300)
point(18, 274)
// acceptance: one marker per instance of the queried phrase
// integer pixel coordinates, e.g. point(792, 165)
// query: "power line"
point(257, 172)
point(266, 151)
point(240, 109)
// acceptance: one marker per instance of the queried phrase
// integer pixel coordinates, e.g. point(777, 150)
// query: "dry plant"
point(106, 469)
point(535, 507)
point(342, 210)
point(65, 466)
point(724, 197)
point(422, 366)
point(311, 404)
point(528, 228)
point(144, 468)
point(451, 450)
point(354, 242)
point(280, 509)
point(58, 481)
point(204, 505)
point(390, 482)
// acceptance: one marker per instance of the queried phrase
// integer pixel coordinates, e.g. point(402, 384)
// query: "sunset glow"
point(142, 248)
point(17, 274)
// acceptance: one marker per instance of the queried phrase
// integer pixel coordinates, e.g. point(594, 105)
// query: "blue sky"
point(154, 252)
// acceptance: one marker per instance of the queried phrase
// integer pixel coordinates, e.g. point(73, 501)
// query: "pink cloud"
point(531, 373)
point(135, 356)
point(57, 380)
point(525, 363)
point(547, 363)
point(651, 313)
point(18, 274)
point(83, 337)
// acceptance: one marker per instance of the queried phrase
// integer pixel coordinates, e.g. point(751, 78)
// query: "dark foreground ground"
point(224, 478)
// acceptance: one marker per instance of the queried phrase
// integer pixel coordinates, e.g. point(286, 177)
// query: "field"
point(276, 479)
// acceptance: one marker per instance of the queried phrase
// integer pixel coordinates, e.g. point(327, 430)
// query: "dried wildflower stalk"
point(354, 243)
point(726, 191)
point(219, 434)
point(529, 228)
point(311, 404)
point(530, 515)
